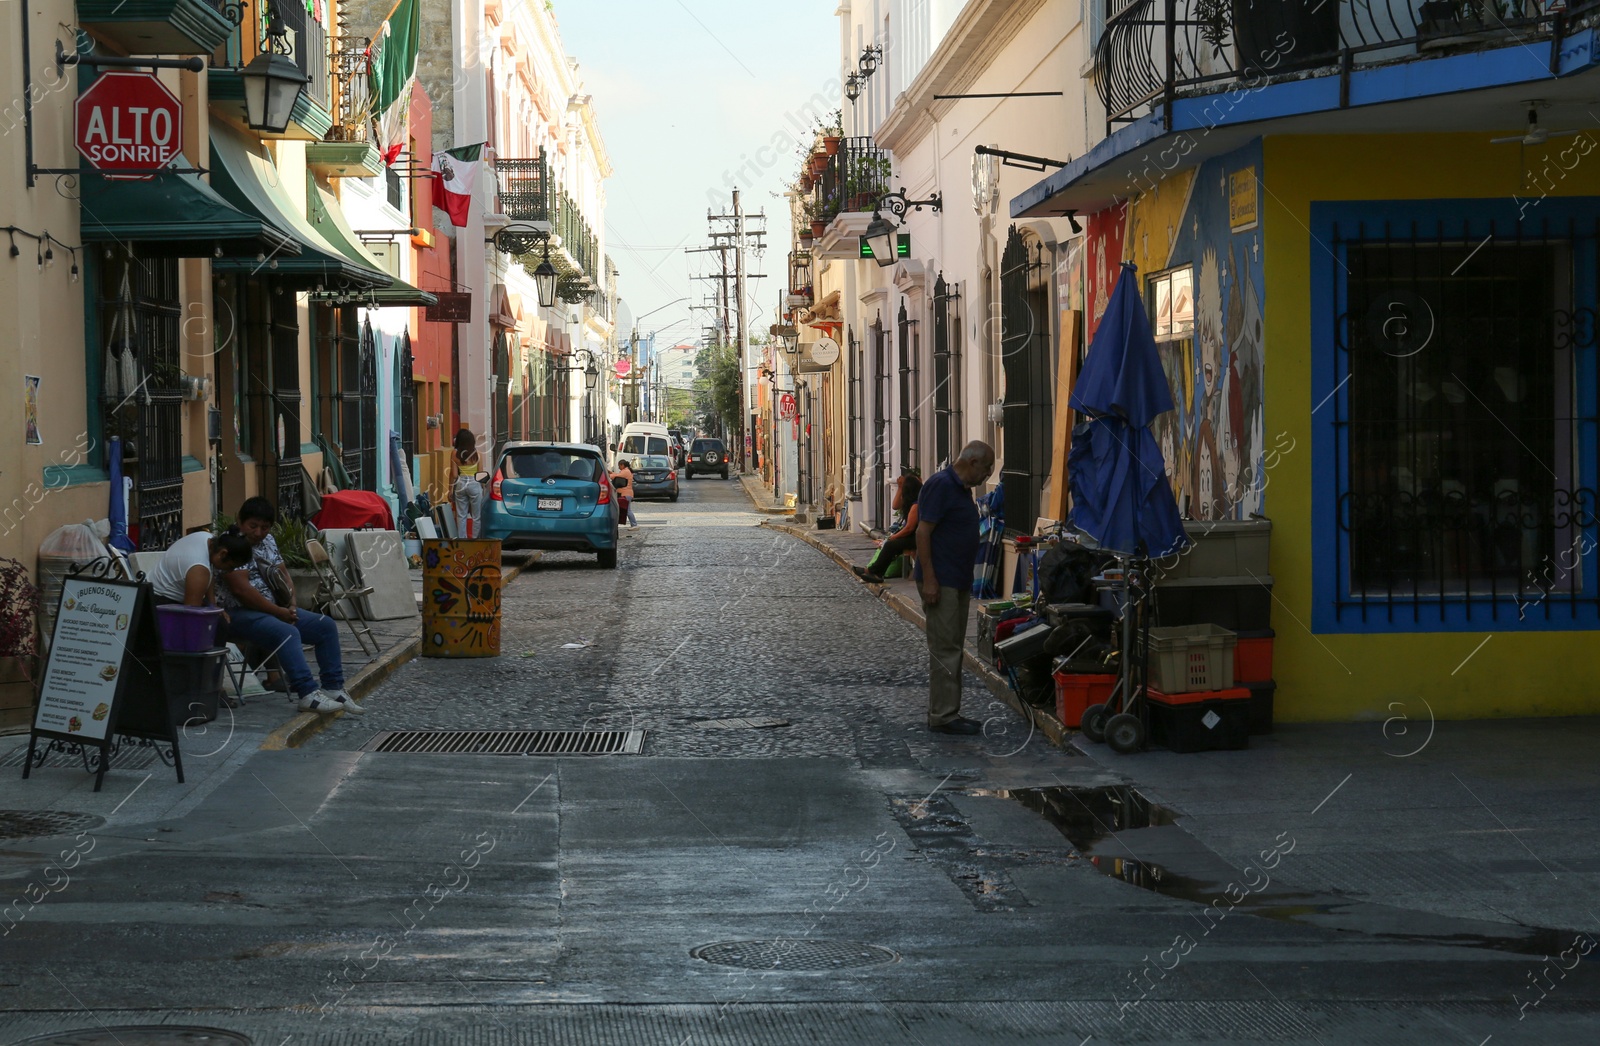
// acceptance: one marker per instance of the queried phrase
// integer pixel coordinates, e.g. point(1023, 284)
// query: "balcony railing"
point(309, 41)
point(527, 192)
point(855, 178)
point(1154, 51)
point(352, 98)
point(576, 238)
point(800, 274)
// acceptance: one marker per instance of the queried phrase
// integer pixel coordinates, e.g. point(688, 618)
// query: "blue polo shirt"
point(946, 503)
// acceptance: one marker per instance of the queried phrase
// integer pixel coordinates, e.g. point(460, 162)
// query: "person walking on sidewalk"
point(907, 489)
point(465, 490)
point(947, 549)
point(261, 612)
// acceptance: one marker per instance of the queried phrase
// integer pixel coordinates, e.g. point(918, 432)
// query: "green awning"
point(328, 218)
point(176, 216)
point(245, 176)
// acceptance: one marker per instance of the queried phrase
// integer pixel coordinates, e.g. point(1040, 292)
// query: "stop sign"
point(129, 121)
point(623, 367)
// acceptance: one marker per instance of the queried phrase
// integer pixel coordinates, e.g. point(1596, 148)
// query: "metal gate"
point(944, 372)
point(908, 393)
point(408, 399)
point(1025, 351)
point(502, 387)
point(853, 429)
point(141, 309)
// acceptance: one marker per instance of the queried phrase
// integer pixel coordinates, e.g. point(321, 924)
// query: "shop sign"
point(129, 122)
point(453, 307)
point(1242, 200)
point(103, 676)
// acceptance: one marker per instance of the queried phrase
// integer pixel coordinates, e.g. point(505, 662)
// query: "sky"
point(692, 97)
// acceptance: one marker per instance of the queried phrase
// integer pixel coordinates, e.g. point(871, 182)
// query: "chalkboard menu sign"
point(103, 681)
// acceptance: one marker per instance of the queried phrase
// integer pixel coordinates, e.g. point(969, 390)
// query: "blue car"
point(553, 496)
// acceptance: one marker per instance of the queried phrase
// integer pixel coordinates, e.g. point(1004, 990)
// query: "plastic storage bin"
point(1261, 695)
point(1023, 647)
point(1188, 658)
point(1243, 604)
point(1225, 548)
point(194, 684)
point(187, 629)
point(1252, 657)
point(1203, 721)
point(1076, 691)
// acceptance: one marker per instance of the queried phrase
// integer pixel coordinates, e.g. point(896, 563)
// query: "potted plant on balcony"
point(866, 180)
point(833, 133)
point(1278, 35)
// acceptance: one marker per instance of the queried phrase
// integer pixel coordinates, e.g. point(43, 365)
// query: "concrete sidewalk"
point(1484, 820)
point(139, 788)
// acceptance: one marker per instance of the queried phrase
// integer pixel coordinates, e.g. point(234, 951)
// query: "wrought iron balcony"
point(1154, 51)
point(854, 179)
point(351, 102)
point(527, 192)
point(800, 275)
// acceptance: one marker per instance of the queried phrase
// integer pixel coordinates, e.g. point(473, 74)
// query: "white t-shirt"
point(172, 570)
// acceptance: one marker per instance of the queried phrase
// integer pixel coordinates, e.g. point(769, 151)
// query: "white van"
point(639, 439)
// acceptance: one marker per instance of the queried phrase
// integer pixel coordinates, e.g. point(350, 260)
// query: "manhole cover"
point(798, 956)
point(145, 1033)
point(25, 824)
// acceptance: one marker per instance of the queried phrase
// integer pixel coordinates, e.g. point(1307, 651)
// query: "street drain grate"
point(26, 824)
point(128, 758)
point(131, 1035)
point(795, 956)
point(508, 742)
point(755, 723)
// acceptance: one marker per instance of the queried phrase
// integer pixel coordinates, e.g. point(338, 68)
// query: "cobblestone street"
point(709, 616)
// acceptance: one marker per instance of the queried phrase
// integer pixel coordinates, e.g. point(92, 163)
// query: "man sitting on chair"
point(261, 612)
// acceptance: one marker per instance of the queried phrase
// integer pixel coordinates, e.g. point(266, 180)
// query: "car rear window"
point(703, 445)
point(653, 462)
point(632, 445)
point(547, 464)
point(658, 445)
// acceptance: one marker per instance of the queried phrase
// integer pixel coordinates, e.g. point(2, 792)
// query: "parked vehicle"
point(706, 455)
point(655, 477)
point(639, 439)
point(553, 496)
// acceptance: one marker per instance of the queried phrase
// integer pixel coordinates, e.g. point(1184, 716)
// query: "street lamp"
point(272, 82)
point(591, 374)
point(883, 237)
point(544, 280)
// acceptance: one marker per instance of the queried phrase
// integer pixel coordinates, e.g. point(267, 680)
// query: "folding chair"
point(331, 591)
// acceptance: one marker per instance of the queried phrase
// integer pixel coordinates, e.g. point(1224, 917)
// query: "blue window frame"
point(1455, 407)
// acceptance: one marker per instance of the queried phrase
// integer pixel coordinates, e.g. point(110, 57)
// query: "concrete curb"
point(759, 497)
point(1042, 721)
point(306, 725)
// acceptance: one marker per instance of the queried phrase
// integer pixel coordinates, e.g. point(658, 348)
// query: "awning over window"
point(175, 216)
point(245, 176)
point(328, 218)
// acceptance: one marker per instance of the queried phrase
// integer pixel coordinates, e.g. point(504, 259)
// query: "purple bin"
point(186, 629)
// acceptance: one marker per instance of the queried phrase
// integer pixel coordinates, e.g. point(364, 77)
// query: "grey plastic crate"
point(1225, 548)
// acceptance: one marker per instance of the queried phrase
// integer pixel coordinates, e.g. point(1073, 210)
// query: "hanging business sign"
point(624, 367)
point(453, 307)
point(129, 122)
point(787, 408)
point(825, 352)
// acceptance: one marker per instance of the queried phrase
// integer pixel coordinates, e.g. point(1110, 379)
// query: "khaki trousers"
point(947, 632)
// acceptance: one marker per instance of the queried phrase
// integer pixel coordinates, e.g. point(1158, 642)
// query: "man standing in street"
point(947, 550)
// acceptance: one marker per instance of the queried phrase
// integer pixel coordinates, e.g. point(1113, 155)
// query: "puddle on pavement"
point(1092, 820)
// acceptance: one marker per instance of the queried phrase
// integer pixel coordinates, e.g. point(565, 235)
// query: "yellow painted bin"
point(460, 598)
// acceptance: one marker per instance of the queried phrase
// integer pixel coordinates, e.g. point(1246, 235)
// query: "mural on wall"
point(1204, 219)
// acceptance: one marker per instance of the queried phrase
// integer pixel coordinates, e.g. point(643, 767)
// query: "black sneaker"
point(868, 576)
point(958, 725)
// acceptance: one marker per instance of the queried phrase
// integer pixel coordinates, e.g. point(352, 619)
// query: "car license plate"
point(553, 504)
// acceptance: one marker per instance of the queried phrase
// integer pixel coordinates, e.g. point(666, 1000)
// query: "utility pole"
point(738, 239)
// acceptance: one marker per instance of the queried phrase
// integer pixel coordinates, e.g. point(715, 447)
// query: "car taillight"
point(673, 474)
point(605, 492)
point(494, 487)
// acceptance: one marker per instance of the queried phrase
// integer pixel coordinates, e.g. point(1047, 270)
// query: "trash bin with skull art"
point(460, 598)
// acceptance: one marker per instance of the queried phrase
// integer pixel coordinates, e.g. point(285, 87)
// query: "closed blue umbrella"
point(1120, 495)
point(117, 513)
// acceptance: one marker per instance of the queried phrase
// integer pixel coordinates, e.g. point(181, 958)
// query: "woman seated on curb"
point(275, 624)
point(907, 489)
point(186, 572)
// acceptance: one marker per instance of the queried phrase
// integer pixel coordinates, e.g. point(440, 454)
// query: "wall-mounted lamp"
point(868, 62)
point(881, 235)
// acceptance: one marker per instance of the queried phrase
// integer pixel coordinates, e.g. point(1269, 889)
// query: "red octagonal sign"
point(129, 122)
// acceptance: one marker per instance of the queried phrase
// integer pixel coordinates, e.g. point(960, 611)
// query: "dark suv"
point(706, 455)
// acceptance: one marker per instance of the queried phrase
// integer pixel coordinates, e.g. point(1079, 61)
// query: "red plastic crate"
point(1252, 657)
point(1076, 691)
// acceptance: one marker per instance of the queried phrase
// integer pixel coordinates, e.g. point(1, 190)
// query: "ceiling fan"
point(1535, 135)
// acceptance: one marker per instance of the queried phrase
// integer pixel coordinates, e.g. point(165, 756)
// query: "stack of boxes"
point(1223, 580)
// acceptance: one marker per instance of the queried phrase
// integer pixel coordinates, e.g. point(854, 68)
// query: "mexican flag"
point(457, 176)
point(393, 54)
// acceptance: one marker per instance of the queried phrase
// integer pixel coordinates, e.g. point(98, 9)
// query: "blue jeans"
point(283, 639)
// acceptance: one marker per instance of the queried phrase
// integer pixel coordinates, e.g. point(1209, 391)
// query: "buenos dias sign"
point(129, 122)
